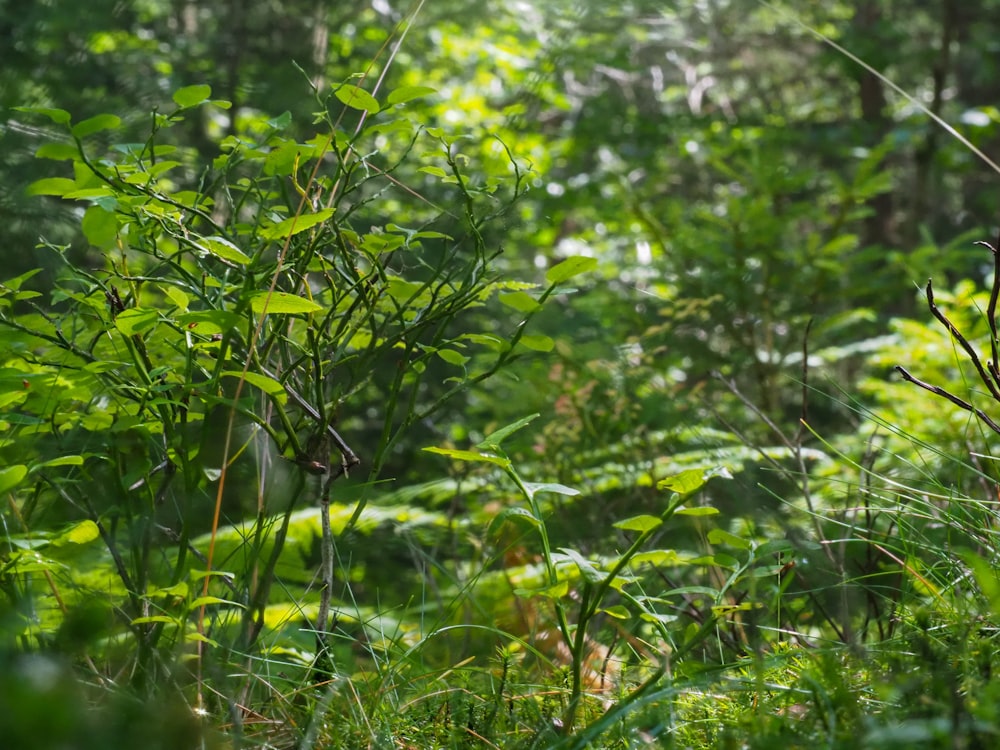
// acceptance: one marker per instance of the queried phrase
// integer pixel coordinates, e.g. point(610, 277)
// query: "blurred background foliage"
point(735, 176)
point(764, 212)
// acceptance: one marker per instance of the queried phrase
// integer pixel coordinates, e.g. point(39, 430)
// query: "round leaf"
point(191, 96)
point(357, 98)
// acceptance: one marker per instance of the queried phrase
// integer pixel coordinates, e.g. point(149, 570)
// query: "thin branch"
point(964, 343)
point(991, 311)
point(951, 397)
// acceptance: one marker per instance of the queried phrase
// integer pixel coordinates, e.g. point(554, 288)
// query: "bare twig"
point(963, 342)
point(951, 397)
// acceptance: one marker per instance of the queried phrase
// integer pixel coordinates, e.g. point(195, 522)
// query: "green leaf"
point(178, 589)
point(639, 523)
point(402, 290)
point(12, 285)
point(658, 557)
point(537, 343)
point(51, 186)
point(618, 611)
point(558, 489)
point(58, 116)
point(474, 456)
point(56, 151)
point(721, 610)
point(520, 301)
point(80, 533)
point(495, 438)
point(60, 461)
point(282, 303)
point(718, 536)
point(100, 227)
point(569, 268)
point(96, 124)
point(222, 248)
point(293, 225)
point(511, 514)
point(177, 296)
point(196, 603)
point(490, 341)
point(587, 568)
point(698, 511)
point(452, 357)
point(435, 171)
point(136, 320)
point(209, 322)
point(658, 618)
point(692, 479)
point(555, 591)
point(408, 93)
point(270, 386)
point(356, 97)
point(774, 546)
point(192, 96)
point(11, 476)
point(155, 618)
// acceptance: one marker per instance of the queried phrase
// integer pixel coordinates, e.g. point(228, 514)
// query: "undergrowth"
point(200, 547)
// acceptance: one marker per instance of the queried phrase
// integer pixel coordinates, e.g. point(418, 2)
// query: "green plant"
point(181, 401)
point(582, 591)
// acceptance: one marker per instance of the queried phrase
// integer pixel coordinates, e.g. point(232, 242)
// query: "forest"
point(526, 374)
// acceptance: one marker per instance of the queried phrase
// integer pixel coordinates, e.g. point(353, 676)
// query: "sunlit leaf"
point(408, 93)
point(537, 343)
point(222, 248)
point(495, 438)
point(294, 224)
point(569, 268)
point(136, 320)
point(282, 303)
point(587, 568)
point(154, 618)
point(657, 557)
point(692, 479)
point(356, 97)
point(59, 461)
point(475, 456)
point(698, 511)
point(100, 227)
point(208, 322)
point(192, 96)
point(270, 386)
point(206, 600)
point(51, 186)
point(558, 489)
point(80, 533)
point(11, 476)
point(178, 589)
point(638, 523)
point(520, 301)
point(452, 357)
point(556, 591)
point(618, 611)
point(56, 151)
point(96, 125)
